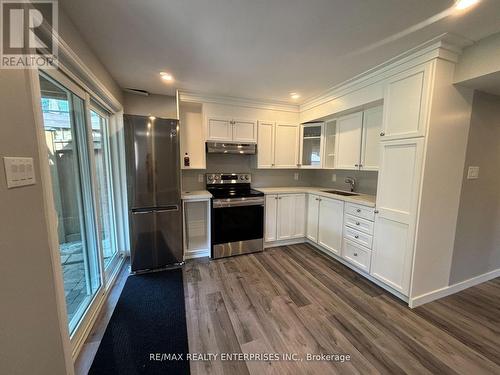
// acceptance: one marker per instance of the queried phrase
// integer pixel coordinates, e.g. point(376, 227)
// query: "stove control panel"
point(228, 178)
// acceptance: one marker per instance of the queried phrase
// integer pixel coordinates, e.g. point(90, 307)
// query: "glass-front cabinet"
point(311, 145)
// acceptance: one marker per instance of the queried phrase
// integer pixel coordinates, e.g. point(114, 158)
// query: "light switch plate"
point(19, 171)
point(473, 173)
point(296, 176)
point(200, 178)
point(334, 177)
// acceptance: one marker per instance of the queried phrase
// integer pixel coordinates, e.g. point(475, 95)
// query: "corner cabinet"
point(406, 104)
point(277, 145)
point(325, 218)
point(285, 217)
point(395, 221)
point(231, 130)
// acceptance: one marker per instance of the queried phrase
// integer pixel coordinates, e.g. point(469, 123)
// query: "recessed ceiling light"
point(294, 95)
point(166, 76)
point(464, 4)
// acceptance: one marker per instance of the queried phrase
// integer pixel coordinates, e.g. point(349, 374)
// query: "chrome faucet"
point(351, 181)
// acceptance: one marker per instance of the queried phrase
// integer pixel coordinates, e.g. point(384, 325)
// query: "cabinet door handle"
point(358, 210)
point(356, 236)
point(375, 212)
point(355, 254)
point(382, 134)
point(356, 165)
point(360, 165)
point(279, 197)
point(357, 222)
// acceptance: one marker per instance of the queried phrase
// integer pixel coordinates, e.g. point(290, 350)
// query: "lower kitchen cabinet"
point(285, 217)
point(397, 200)
point(325, 222)
point(331, 217)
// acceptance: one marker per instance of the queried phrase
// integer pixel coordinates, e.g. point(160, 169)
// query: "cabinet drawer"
point(360, 211)
point(357, 255)
point(360, 224)
point(358, 237)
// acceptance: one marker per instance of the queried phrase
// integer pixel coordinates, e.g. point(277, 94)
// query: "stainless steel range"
point(237, 214)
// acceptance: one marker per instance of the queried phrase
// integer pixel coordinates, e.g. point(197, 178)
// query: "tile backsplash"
point(218, 163)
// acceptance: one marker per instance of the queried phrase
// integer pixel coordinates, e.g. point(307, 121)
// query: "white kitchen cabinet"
point(285, 217)
point(244, 131)
point(397, 199)
point(231, 130)
point(330, 224)
point(196, 227)
point(286, 150)
point(271, 218)
point(265, 144)
point(406, 99)
point(370, 148)
point(311, 145)
point(219, 129)
point(348, 142)
point(312, 217)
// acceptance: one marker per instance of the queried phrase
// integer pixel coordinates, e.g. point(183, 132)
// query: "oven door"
point(237, 226)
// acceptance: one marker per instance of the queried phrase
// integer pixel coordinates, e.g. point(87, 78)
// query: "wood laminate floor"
point(293, 299)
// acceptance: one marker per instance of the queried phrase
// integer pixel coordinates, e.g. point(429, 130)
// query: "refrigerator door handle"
point(142, 212)
point(171, 208)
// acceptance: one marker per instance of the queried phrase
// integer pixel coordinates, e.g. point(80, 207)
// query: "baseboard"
point(452, 289)
point(292, 241)
point(197, 254)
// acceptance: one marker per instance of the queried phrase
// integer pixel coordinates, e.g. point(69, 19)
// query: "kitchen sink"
point(340, 192)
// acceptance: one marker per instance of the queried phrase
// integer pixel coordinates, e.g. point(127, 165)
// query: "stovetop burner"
point(231, 185)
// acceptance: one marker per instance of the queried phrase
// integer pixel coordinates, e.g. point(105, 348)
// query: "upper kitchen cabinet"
point(348, 147)
point(370, 148)
point(406, 99)
point(357, 140)
point(231, 130)
point(192, 136)
point(311, 145)
point(265, 144)
point(278, 145)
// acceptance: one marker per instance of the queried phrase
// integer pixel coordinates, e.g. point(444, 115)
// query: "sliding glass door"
point(102, 158)
point(70, 170)
point(77, 139)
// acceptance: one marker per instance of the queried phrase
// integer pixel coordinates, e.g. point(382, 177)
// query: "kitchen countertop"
point(364, 199)
point(195, 194)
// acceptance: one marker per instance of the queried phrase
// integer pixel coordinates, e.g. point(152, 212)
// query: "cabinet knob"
point(279, 197)
point(376, 211)
point(272, 165)
point(358, 210)
point(357, 222)
point(356, 236)
point(382, 134)
point(356, 165)
point(361, 165)
point(355, 254)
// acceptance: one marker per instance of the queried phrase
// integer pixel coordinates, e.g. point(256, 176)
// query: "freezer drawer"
point(156, 239)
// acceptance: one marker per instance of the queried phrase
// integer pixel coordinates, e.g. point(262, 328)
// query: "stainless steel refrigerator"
point(153, 184)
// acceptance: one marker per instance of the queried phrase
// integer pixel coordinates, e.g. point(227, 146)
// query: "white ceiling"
point(261, 49)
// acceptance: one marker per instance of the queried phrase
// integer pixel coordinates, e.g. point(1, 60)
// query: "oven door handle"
point(238, 202)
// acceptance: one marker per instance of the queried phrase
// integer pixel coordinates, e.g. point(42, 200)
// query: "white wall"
point(70, 34)
point(30, 338)
point(477, 240)
point(441, 182)
point(153, 105)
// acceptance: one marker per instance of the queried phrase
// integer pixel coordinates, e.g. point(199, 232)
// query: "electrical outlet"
point(334, 177)
point(200, 178)
point(296, 176)
point(473, 173)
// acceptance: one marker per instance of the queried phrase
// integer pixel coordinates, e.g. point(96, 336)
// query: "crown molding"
point(198, 97)
point(445, 46)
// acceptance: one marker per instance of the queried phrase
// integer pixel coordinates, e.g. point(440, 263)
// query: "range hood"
point(231, 148)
